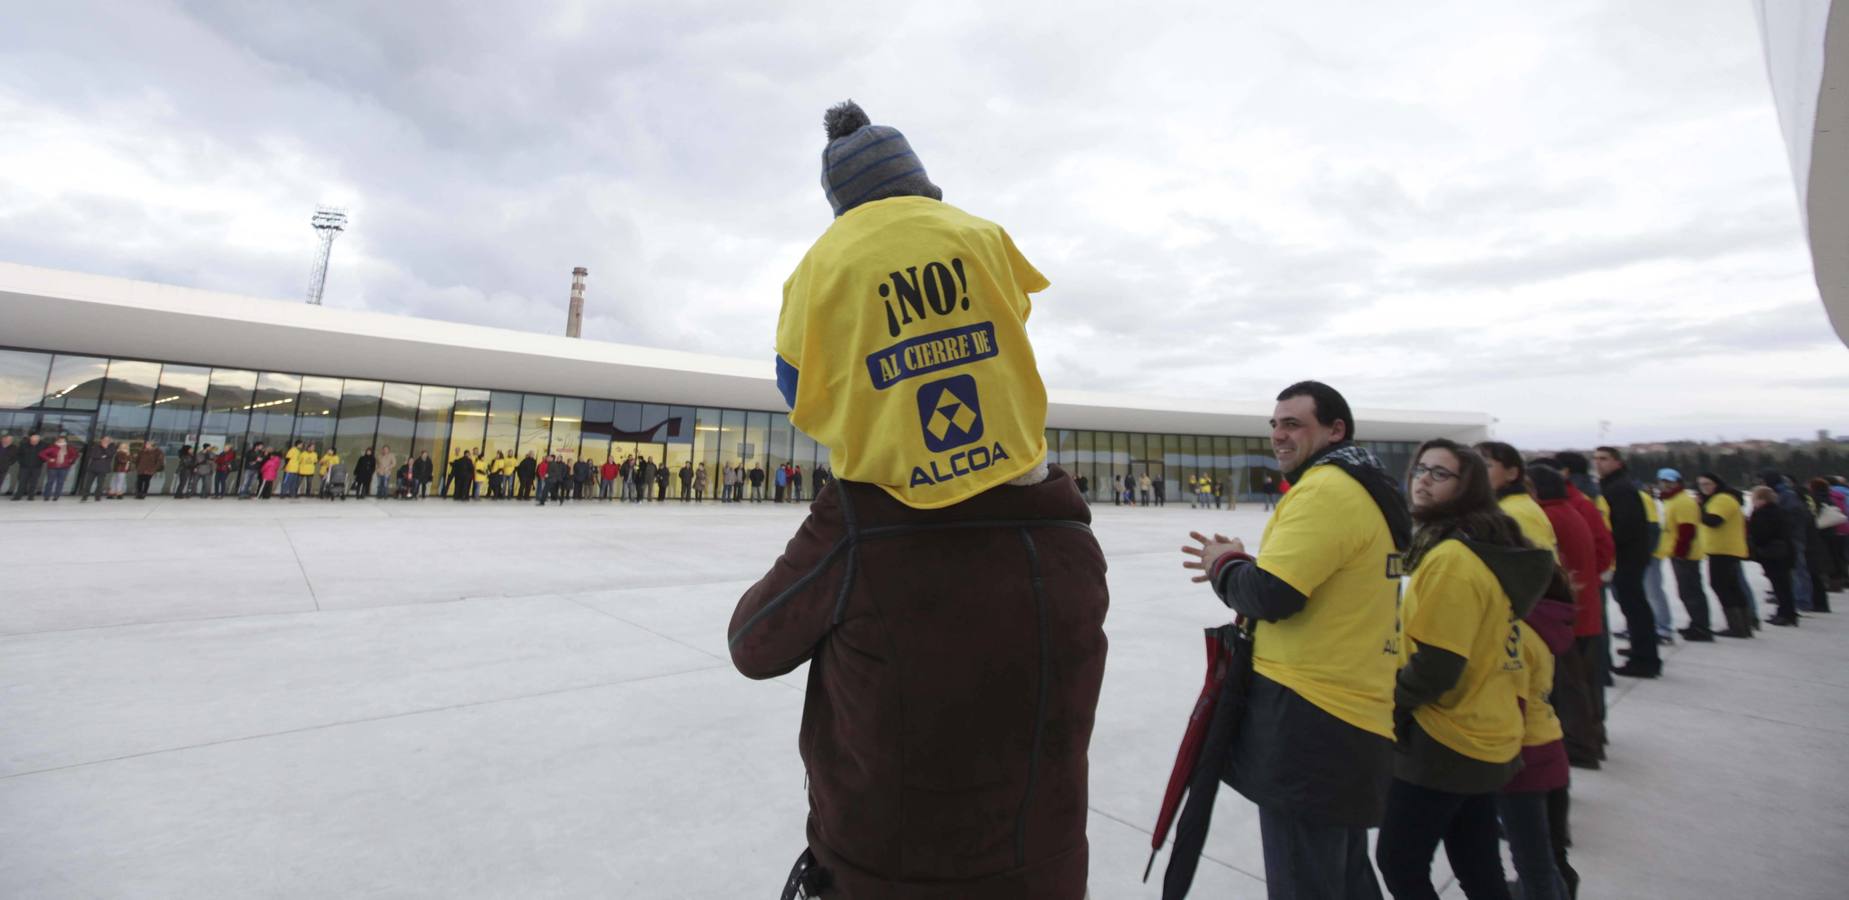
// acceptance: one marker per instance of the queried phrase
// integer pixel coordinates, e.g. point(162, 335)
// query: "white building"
point(90, 355)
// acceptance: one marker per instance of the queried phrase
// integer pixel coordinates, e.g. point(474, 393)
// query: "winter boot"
point(1736, 623)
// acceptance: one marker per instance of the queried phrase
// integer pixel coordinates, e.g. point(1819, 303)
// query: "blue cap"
point(1668, 475)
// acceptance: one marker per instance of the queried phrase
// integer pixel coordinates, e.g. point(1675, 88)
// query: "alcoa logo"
point(950, 413)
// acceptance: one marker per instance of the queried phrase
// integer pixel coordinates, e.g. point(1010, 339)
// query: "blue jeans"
point(1659, 600)
point(54, 482)
point(290, 481)
point(1531, 845)
point(385, 485)
point(1800, 576)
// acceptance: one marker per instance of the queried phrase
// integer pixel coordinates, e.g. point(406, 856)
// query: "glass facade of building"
point(173, 404)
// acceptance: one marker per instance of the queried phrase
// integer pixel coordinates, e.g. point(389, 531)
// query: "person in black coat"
point(661, 483)
point(462, 476)
point(1768, 539)
point(1630, 535)
point(526, 471)
point(581, 478)
point(363, 471)
point(557, 473)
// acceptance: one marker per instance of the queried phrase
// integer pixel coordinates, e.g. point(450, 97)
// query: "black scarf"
point(1363, 466)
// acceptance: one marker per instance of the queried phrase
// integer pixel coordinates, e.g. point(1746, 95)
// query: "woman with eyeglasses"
point(1457, 716)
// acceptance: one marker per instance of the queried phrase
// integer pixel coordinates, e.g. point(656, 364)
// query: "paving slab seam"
point(365, 720)
point(299, 564)
point(1204, 854)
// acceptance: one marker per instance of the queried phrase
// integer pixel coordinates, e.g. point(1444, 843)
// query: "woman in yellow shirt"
point(1723, 538)
point(1508, 477)
point(305, 463)
point(1473, 576)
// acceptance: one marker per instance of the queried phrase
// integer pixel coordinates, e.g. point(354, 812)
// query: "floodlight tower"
point(328, 222)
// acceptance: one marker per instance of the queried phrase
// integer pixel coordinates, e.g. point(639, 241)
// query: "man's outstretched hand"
point(1203, 557)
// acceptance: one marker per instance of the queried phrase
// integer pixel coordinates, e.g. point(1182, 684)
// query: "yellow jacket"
point(1729, 537)
point(1533, 520)
point(305, 462)
point(1678, 511)
point(328, 461)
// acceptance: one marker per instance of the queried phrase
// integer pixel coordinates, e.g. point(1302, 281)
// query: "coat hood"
point(1523, 572)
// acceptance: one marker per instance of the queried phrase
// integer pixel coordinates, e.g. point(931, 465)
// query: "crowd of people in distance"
point(33, 469)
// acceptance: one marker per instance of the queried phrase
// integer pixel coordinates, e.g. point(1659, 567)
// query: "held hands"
point(1208, 553)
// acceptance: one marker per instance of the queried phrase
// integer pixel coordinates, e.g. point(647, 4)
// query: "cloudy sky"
point(1564, 214)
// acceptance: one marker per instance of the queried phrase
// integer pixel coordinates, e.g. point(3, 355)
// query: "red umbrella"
point(1219, 664)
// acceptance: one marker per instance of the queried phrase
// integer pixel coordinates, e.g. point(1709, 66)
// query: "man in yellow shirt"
point(1314, 745)
point(1680, 544)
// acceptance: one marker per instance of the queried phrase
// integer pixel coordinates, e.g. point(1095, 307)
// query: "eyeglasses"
point(1438, 474)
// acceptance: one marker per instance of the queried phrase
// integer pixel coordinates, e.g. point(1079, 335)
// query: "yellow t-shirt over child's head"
point(902, 344)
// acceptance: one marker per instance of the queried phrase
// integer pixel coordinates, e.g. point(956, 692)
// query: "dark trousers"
point(1418, 819)
point(1575, 676)
point(141, 485)
point(1627, 585)
point(1531, 845)
point(1694, 597)
point(1728, 578)
point(93, 483)
point(1780, 574)
point(526, 488)
point(27, 482)
point(1315, 862)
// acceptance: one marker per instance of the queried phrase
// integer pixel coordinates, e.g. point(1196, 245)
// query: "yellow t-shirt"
point(289, 458)
point(902, 347)
point(305, 462)
point(1728, 538)
point(328, 462)
point(1678, 511)
point(1454, 603)
point(1539, 724)
point(1533, 520)
point(1328, 540)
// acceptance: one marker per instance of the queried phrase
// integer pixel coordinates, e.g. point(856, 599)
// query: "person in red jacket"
point(1574, 688)
point(608, 473)
point(58, 458)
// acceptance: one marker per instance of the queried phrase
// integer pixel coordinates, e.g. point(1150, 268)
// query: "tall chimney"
point(574, 322)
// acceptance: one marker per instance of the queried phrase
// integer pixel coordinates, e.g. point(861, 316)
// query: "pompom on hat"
point(864, 162)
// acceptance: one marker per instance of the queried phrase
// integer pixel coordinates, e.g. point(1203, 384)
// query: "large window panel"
point(757, 438)
point(434, 405)
point(471, 422)
point(359, 419)
point(777, 453)
point(397, 420)
point(76, 382)
point(227, 406)
point(567, 427)
point(22, 378)
point(272, 408)
point(536, 425)
point(1173, 477)
point(128, 399)
point(627, 422)
point(503, 435)
point(732, 437)
point(179, 402)
point(316, 410)
point(657, 423)
point(706, 443)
